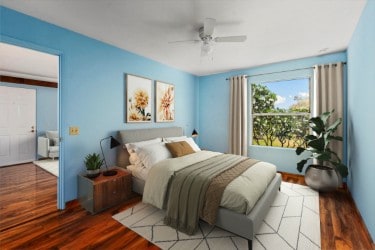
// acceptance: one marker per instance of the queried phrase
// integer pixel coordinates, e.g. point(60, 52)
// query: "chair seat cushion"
point(53, 149)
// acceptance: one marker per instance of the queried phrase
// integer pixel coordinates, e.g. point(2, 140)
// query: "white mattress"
point(139, 172)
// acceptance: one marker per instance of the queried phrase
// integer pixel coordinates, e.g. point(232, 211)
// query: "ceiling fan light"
point(206, 49)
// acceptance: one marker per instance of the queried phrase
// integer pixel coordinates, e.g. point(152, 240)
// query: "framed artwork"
point(164, 102)
point(138, 99)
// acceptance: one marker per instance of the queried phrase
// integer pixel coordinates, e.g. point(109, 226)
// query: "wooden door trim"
point(19, 80)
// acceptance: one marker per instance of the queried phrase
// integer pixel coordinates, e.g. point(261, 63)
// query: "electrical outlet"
point(73, 130)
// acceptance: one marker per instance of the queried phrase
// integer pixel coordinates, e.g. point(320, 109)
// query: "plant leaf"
point(299, 150)
point(325, 116)
point(310, 137)
point(342, 169)
point(317, 144)
point(300, 165)
point(324, 156)
point(317, 125)
point(337, 138)
point(334, 126)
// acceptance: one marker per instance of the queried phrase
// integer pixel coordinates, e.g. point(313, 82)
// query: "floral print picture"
point(164, 102)
point(138, 99)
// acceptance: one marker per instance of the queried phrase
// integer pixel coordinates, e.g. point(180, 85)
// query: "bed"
point(244, 225)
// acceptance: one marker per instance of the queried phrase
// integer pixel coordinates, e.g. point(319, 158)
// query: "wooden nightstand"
point(103, 192)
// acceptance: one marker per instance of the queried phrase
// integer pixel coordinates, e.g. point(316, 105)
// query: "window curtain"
point(238, 116)
point(328, 91)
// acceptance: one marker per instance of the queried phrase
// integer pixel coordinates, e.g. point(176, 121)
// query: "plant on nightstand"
point(93, 163)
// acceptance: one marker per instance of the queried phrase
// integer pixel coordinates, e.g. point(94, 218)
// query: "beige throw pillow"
point(179, 148)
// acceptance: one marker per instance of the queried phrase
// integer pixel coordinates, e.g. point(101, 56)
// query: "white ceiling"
point(277, 30)
point(26, 63)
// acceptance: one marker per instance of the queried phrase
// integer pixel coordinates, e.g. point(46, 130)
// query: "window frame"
point(250, 104)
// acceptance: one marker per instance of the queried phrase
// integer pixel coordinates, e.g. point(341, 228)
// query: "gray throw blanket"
point(187, 190)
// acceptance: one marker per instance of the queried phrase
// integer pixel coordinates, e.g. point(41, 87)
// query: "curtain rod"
point(269, 73)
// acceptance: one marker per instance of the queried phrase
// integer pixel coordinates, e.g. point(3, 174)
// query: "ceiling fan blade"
point(225, 39)
point(208, 27)
point(184, 41)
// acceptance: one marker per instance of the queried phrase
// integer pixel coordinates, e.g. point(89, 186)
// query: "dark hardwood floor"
point(29, 218)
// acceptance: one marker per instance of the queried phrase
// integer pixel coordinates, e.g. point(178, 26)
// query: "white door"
point(17, 125)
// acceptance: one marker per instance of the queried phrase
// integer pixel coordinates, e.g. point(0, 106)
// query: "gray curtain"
point(238, 116)
point(328, 89)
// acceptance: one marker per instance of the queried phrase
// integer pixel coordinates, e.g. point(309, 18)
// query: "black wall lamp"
point(195, 133)
point(114, 143)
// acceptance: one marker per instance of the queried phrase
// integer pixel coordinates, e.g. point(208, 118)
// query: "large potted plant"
point(327, 174)
point(93, 163)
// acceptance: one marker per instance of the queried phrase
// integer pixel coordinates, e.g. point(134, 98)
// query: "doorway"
point(28, 70)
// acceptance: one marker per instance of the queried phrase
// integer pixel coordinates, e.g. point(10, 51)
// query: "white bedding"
point(240, 195)
point(139, 172)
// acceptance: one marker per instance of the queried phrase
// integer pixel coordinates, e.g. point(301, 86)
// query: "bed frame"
point(243, 225)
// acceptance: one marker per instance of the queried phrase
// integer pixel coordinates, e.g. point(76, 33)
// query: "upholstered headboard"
point(135, 135)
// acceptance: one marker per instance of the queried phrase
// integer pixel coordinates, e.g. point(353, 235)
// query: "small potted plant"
point(93, 163)
point(328, 173)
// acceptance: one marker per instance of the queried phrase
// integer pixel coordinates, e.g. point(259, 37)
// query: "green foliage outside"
point(278, 130)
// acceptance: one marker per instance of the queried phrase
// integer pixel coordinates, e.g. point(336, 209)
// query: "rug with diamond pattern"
point(293, 222)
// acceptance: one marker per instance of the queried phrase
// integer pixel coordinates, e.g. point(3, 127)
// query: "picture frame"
point(164, 102)
point(138, 99)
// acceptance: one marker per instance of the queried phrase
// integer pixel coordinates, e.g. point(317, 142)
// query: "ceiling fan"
point(205, 35)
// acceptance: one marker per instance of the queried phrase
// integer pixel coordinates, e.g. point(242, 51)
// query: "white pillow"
point(132, 147)
point(134, 159)
point(151, 154)
point(189, 140)
point(192, 144)
point(176, 138)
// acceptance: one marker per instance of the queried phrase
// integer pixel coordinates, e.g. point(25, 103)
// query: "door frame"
point(29, 45)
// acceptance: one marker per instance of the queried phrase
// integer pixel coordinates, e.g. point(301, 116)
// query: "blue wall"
point(361, 115)
point(92, 88)
point(214, 107)
point(46, 106)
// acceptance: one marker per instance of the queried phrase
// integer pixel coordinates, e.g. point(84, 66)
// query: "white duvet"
point(240, 195)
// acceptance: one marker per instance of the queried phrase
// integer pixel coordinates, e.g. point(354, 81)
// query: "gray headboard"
point(135, 135)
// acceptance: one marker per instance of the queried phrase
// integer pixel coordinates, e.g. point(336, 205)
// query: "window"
point(280, 112)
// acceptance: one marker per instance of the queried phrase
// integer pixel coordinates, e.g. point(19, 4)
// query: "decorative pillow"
point(134, 159)
point(151, 154)
point(132, 147)
point(179, 148)
point(189, 140)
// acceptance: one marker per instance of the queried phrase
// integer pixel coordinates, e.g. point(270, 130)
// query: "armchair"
point(48, 146)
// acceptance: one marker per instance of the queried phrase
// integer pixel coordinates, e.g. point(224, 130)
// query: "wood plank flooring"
point(29, 218)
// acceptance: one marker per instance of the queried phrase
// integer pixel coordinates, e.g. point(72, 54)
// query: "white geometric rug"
point(49, 165)
point(293, 222)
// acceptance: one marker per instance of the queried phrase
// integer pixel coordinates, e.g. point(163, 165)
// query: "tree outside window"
point(280, 113)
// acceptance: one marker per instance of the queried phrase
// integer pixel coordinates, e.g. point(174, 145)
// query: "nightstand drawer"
point(112, 192)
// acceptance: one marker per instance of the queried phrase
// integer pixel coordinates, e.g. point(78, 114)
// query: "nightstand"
point(103, 192)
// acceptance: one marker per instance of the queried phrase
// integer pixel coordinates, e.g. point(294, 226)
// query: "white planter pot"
point(92, 173)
